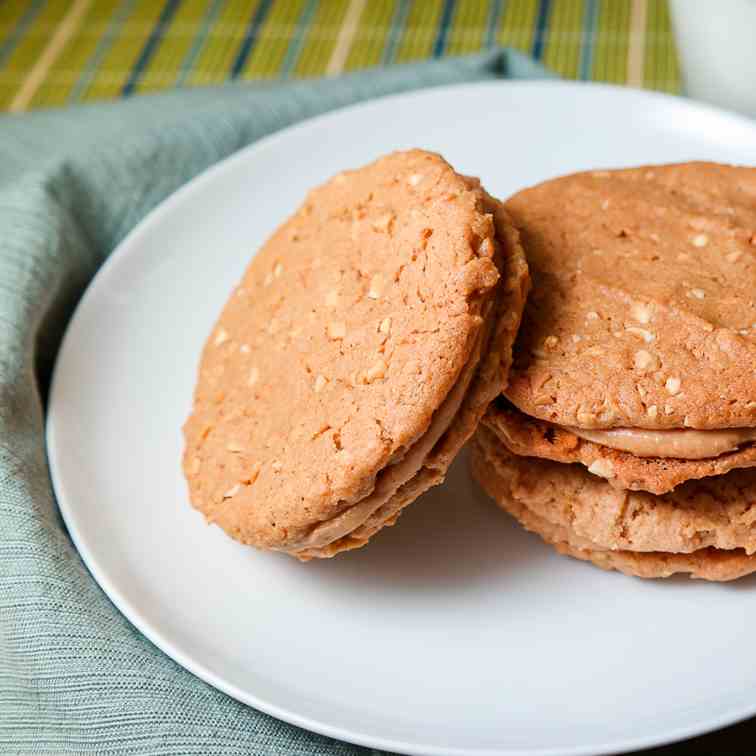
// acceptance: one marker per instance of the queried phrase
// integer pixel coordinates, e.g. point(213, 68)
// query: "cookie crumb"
point(320, 383)
point(485, 248)
point(700, 240)
point(647, 336)
point(641, 312)
point(378, 370)
point(602, 467)
point(673, 385)
point(586, 418)
point(385, 326)
point(697, 294)
point(644, 360)
point(376, 286)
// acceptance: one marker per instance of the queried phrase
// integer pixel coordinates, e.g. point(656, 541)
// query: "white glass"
point(717, 46)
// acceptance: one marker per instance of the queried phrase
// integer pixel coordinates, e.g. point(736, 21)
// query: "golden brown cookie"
point(641, 329)
point(705, 528)
point(355, 357)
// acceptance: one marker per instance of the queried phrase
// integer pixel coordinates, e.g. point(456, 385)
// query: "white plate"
point(454, 632)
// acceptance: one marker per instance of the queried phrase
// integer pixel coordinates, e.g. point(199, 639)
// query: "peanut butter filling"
point(680, 443)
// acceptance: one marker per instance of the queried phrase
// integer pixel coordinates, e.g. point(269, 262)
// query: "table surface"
point(55, 52)
point(58, 52)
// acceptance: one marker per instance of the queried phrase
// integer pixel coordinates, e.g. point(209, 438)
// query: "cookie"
point(355, 357)
point(707, 564)
point(704, 528)
point(527, 436)
point(640, 334)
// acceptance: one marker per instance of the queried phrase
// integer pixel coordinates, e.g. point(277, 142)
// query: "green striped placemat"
point(55, 52)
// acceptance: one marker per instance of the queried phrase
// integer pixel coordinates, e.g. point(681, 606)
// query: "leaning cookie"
point(355, 357)
point(704, 528)
point(639, 341)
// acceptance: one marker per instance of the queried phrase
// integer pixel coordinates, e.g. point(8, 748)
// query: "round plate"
point(454, 632)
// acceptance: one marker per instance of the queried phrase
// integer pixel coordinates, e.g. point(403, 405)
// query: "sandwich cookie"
point(355, 357)
point(704, 528)
point(637, 352)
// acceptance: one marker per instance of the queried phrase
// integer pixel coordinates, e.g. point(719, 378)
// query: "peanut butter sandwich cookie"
point(637, 353)
point(704, 528)
point(355, 357)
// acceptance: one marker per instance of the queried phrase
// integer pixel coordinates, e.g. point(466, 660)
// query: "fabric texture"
point(75, 676)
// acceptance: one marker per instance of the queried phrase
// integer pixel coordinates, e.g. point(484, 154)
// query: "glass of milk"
point(717, 46)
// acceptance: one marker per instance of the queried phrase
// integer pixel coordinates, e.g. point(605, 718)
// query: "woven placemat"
point(57, 52)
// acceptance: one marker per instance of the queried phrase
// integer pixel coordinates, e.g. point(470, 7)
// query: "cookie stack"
point(627, 434)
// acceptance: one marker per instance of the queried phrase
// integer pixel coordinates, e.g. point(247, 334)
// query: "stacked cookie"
point(355, 358)
point(627, 434)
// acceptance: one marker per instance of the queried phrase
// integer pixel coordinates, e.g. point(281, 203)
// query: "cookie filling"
point(682, 443)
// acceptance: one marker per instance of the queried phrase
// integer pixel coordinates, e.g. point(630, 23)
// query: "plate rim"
point(132, 613)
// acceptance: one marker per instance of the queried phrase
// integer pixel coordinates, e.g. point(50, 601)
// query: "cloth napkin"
point(75, 676)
